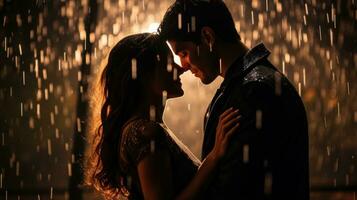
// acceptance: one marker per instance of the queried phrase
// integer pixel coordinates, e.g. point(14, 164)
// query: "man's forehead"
point(178, 46)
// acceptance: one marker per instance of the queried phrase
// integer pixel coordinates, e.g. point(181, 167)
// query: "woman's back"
point(140, 137)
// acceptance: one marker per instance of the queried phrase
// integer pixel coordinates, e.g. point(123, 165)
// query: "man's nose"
point(184, 64)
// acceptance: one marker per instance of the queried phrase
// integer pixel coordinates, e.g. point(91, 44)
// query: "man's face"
point(197, 58)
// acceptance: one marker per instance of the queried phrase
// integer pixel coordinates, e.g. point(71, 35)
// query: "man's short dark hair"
point(184, 20)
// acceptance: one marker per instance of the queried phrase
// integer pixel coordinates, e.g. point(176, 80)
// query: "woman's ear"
point(208, 36)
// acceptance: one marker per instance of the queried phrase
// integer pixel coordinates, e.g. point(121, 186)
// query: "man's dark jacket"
point(268, 156)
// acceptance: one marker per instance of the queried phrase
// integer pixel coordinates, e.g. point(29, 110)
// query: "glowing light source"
point(153, 27)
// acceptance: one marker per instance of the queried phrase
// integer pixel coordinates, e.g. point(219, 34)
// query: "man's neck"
point(229, 53)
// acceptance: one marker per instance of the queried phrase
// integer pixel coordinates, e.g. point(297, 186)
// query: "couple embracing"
point(255, 129)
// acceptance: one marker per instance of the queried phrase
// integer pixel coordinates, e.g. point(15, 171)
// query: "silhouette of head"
point(140, 65)
point(193, 28)
point(139, 71)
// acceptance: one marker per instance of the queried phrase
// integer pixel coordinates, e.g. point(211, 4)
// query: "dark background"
point(51, 50)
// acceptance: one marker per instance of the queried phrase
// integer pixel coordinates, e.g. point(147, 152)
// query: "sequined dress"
point(139, 140)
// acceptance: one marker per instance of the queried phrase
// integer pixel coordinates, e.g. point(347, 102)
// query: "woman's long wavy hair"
point(120, 93)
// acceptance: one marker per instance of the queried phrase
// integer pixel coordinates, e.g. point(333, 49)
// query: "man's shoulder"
point(261, 73)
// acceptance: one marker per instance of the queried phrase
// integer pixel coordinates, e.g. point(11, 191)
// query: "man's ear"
point(208, 36)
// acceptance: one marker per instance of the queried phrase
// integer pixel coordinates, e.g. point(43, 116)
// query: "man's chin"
point(206, 81)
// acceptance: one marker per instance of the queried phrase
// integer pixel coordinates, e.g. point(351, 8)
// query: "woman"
point(135, 155)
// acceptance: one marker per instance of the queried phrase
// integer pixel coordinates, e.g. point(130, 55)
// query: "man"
point(268, 157)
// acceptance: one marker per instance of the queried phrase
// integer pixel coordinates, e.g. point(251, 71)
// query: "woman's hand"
point(227, 125)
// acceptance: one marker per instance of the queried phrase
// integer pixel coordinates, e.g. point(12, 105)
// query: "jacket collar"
point(244, 63)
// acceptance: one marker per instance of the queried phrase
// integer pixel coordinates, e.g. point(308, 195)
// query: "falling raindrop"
point(268, 183)
point(283, 68)
point(220, 66)
point(59, 65)
point(179, 19)
point(133, 69)
point(152, 146)
point(17, 168)
point(193, 24)
point(347, 179)
point(252, 15)
point(164, 97)
point(21, 109)
point(320, 33)
point(174, 74)
point(23, 78)
point(152, 113)
point(20, 49)
point(245, 153)
point(328, 148)
point(51, 193)
point(49, 147)
point(304, 76)
point(69, 168)
point(38, 111)
point(348, 88)
point(79, 126)
point(266, 5)
point(169, 67)
point(5, 42)
point(259, 119)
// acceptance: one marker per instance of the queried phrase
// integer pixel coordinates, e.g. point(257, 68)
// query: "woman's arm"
point(155, 174)
point(155, 170)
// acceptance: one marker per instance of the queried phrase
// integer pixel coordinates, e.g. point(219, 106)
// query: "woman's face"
point(168, 78)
